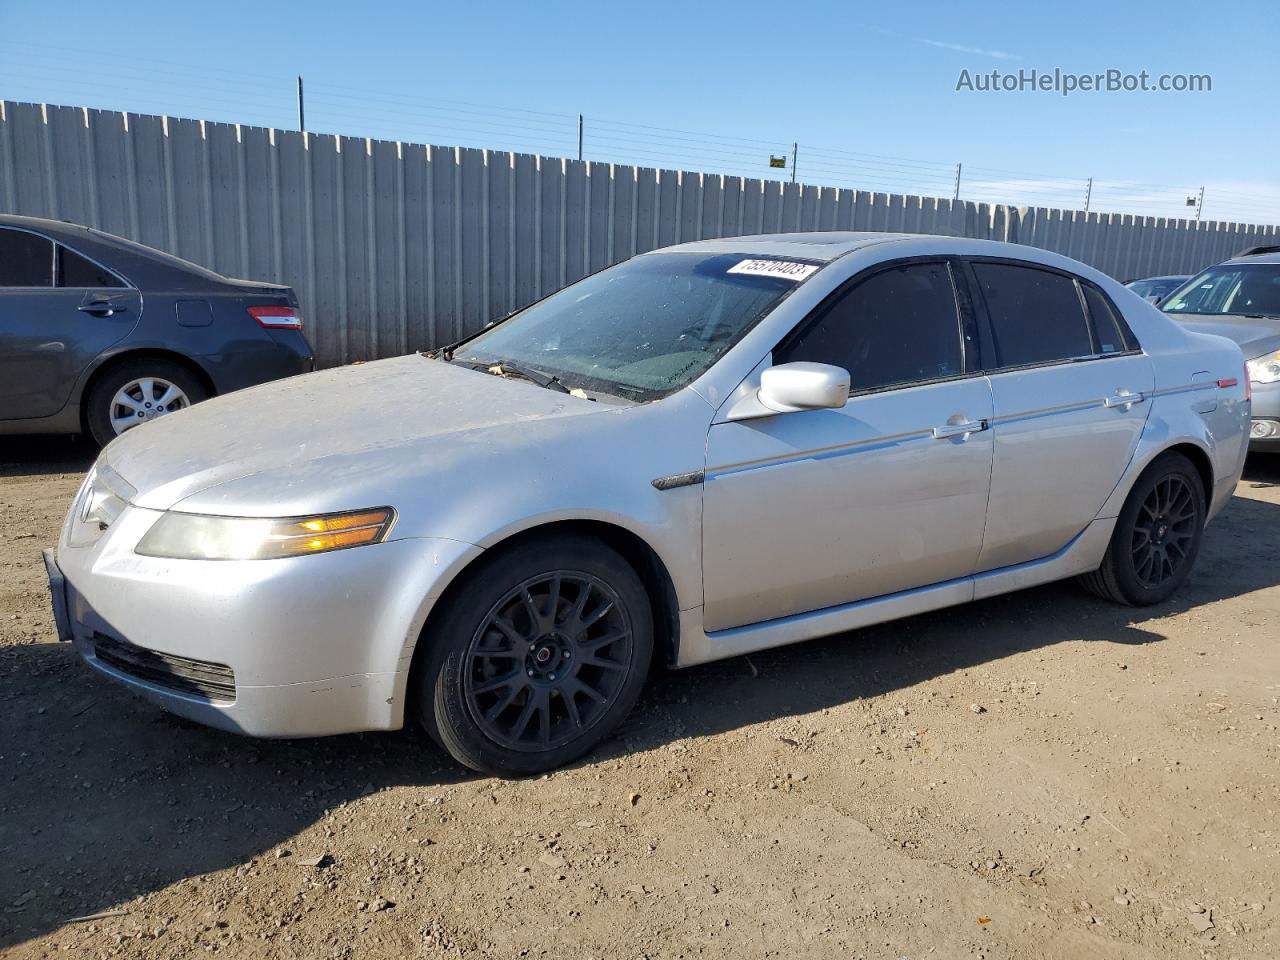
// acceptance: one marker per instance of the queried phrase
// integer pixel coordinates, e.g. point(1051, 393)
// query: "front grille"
point(213, 681)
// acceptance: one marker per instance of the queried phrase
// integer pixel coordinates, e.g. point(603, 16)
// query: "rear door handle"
point(962, 429)
point(102, 308)
point(1123, 400)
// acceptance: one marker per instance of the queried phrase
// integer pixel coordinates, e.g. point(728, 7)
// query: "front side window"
point(26, 260)
point(644, 328)
point(897, 326)
point(77, 271)
point(1036, 316)
point(1251, 289)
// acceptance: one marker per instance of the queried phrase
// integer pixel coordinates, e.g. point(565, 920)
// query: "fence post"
point(302, 114)
point(957, 196)
point(1088, 194)
point(579, 136)
point(1199, 204)
point(795, 150)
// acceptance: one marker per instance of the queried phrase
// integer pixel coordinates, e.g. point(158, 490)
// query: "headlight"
point(193, 536)
point(1265, 369)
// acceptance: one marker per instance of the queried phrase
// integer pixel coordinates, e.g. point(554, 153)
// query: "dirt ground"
point(1037, 775)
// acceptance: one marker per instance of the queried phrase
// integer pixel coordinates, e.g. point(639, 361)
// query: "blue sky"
point(867, 89)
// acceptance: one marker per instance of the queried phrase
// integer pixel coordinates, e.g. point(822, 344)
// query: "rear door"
point(1070, 393)
point(58, 311)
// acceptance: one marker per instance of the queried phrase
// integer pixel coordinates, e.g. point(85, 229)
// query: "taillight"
point(277, 318)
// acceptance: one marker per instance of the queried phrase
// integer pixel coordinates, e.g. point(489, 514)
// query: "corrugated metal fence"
point(395, 247)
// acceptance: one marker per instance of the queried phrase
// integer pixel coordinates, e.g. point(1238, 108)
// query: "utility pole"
point(579, 136)
point(302, 115)
point(795, 150)
point(957, 196)
point(1199, 204)
point(1088, 194)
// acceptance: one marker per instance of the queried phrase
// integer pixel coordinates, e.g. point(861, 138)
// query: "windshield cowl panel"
point(643, 329)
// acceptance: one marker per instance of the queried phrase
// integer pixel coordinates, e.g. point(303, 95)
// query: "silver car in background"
point(1240, 300)
point(704, 451)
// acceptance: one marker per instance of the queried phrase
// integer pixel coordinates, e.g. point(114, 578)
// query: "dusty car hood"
point(372, 406)
point(1255, 335)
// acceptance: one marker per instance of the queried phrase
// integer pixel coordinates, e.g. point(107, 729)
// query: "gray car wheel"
point(136, 392)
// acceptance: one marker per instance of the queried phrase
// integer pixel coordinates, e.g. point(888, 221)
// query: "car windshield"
point(1231, 288)
point(1155, 287)
point(644, 328)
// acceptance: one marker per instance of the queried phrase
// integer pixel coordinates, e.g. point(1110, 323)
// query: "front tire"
point(1156, 538)
point(537, 658)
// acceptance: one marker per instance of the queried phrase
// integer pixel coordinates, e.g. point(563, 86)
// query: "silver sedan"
point(706, 450)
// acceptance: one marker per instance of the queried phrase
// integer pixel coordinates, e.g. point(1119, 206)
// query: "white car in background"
point(704, 451)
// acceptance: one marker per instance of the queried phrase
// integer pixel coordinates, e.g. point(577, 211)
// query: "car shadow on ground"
point(106, 798)
point(29, 456)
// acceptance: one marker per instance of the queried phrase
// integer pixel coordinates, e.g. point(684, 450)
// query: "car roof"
point(1256, 258)
point(825, 246)
point(828, 247)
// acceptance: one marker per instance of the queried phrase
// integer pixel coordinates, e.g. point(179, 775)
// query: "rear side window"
point(897, 326)
point(1106, 329)
point(1036, 316)
point(26, 260)
point(76, 271)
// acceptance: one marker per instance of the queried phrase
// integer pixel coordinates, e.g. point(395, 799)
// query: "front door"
point(814, 509)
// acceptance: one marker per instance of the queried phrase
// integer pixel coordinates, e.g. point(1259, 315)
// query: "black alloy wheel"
point(535, 656)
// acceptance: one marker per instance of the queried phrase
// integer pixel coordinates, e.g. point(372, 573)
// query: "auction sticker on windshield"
point(784, 269)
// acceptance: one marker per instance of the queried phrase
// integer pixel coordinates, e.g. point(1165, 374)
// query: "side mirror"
point(791, 387)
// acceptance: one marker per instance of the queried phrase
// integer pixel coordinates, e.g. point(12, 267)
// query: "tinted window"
point(897, 326)
point(25, 260)
point(1036, 315)
point(75, 271)
point(1105, 328)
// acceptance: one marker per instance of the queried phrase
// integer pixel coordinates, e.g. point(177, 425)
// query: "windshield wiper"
point(506, 368)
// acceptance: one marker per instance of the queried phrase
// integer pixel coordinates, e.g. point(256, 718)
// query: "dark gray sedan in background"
point(99, 334)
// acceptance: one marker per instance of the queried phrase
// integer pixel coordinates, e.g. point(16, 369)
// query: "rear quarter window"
point(1110, 332)
point(77, 271)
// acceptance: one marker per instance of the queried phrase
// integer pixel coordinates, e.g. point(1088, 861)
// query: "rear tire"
point(1156, 538)
point(537, 658)
point(142, 382)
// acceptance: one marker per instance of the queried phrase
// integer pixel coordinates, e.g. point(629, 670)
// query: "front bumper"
point(57, 596)
point(305, 646)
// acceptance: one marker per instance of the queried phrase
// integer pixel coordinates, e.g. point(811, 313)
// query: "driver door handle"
point(963, 429)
